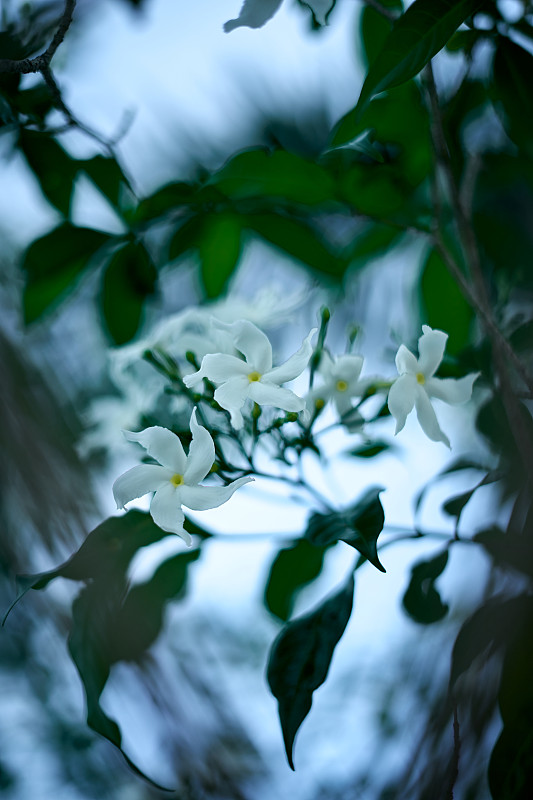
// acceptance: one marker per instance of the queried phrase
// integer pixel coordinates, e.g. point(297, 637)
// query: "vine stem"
point(41, 63)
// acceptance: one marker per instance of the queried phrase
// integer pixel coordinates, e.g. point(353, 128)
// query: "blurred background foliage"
point(333, 197)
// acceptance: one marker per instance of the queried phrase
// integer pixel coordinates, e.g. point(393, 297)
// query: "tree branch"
point(40, 63)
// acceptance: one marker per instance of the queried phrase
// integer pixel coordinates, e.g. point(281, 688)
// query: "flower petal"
point(217, 367)
point(166, 511)
point(343, 402)
point(251, 342)
point(200, 498)
point(347, 368)
point(431, 346)
point(294, 365)
point(401, 398)
point(268, 394)
point(138, 481)
point(427, 418)
point(451, 390)
point(406, 363)
point(233, 393)
point(161, 444)
point(201, 453)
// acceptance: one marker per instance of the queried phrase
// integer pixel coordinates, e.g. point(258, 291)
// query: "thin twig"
point(25, 66)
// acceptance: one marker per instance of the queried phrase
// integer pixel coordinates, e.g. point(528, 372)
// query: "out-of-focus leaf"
point(375, 28)
point(511, 87)
point(320, 10)
point(507, 549)
point(372, 190)
point(415, 38)
point(359, 526)
point(53, 264)
point(444, 305)
point(165, 200)
point(128, 279)
point(53, 167)
point(300, 658)
point(35, 102)
point(107, 176)
point(370, 449)
point(253, 14)
point(283, 175)
point(187, 237)
point(219, 249)
point(457, 465)
point(374, 240)
point(421, 600)
point(293, 568)
point(299, 241)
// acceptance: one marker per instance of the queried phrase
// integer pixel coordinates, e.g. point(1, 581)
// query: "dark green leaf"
point(219, 249)
point(445, 308)
point(421, 599)
point(507, 549)
point(299, 241)
point(169, 198)
point(375, 28)
point(372, 242)
point(511, 91)
point(300, 658)
point(258, 173)
point(53, 167)
point(253, 14)
point(128, 279)
point(107, 176)
point(359, 526)
point(186, 238)
point(415, 38)
point(370, 449)
point(53, 264)
point(293, 568)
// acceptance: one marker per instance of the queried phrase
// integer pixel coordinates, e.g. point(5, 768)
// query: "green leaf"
point(444, 307)
point(507, 549)
point(293, 568)
point(359, 526)
point(375, 28)
point(53, 264)
point(53, 167)
point(253, 14)
point(299, 241)
point(283, 175)
point(165, 200)
point(219, 249)
point(421, 599)
point(372, 241)
point(107, 176)
point(300, 658)
point(187, 237)
point(128, 279)
point(511, 91)
point(415, 38)
point(370, 449)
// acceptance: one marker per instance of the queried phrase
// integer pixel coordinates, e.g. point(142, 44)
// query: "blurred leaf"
point(507, 549)
point(53, 167)
point(300, 658)
point(370, 449)
point(375, 28)
point(320, 10)
point(165, 200)
point(445, 307)
point(107, 176)
point(187, 237)
point(293, 568)
point(219, 249)
point(372, 241)
point(253, 14)
point(35, 102)
point(421, 599)
point(299, 241)
point(259, 173)
point(359, 526)
point(128, 279)
point(511, 87)
point(457, 465)
point(53, 263)
point(415, 38)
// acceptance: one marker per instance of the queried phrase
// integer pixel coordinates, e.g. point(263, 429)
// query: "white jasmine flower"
point(254, 377)
point(175, 480)
point(341, 382)
point(417, 384)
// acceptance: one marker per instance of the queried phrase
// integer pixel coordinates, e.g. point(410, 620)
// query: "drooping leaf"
point(415, 38)
point(108, 176)
point(53, 264)
point(293, 568)
point(375, 27)
point(299, 241)
point(280, 174)
point(253, 14)
point(187, 237)
point(507, 549)
point(511, 91)
point(359, 526)
point(165, 200)
point(374, 240)
point(128, 279)
point(444, 306)
point(370, 449)
point(219, 250)
point(300, 658)
point(422, 600)
point(53, 167)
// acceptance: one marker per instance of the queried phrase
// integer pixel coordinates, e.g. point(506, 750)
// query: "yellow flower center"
point(421, 378)
point(319, 403)
point(176, 480)
point(254, 376)
point(341, 386)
